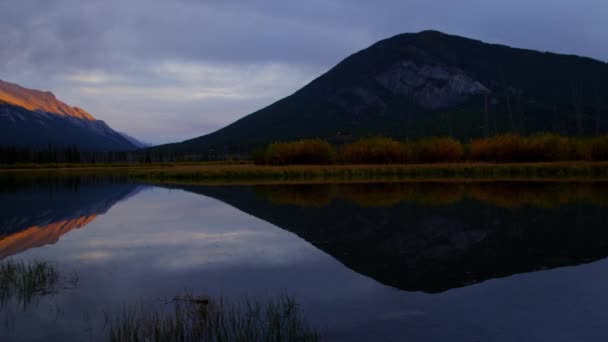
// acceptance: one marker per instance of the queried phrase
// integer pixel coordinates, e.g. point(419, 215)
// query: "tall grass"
point(199, 319)
point(22, 280)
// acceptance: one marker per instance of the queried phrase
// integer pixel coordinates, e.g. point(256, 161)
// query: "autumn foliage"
point(508, 148)
point(435, 150)
point(375, 151)
point(310, 151)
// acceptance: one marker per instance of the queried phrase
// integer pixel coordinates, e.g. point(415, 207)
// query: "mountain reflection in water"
point(432, 237)
point(427, 237)
point(38, 213)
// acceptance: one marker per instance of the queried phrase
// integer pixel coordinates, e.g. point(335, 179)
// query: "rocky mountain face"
point(32, 118)
point(427, 84)
point(430, 87)
point(36, 100)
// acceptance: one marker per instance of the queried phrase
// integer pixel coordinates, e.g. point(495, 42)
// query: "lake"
point(423, 261)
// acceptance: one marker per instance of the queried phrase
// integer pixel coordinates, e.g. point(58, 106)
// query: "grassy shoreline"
point(225, 172)
point(55, 166)
point(561, 170)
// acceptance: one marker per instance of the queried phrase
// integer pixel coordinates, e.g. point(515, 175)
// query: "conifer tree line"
point(57, 154)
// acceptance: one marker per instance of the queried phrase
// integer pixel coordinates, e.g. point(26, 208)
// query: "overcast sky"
point(167, 71)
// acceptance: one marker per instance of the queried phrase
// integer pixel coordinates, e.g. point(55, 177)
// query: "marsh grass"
point(23, 280)
point(198, 319)
point(289, 173)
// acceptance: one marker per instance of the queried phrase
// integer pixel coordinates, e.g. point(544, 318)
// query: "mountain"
point(32, 118)
point(426, 84)
point(134, 141)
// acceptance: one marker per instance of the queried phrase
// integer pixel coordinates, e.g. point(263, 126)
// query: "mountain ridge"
point(37, 100)
point(414, 85)
point(37, 119)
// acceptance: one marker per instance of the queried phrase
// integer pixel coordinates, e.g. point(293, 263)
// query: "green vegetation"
point(24, 280)
point(201, 319)
point(499, 149)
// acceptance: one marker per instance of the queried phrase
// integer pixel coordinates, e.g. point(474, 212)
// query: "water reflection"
point(500, 194)
point(432, 237)
point(36, 212)
point(414, 236)
point(427, 237)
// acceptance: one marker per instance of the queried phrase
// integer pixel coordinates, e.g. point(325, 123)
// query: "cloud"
point(171, 100)
point(170, 70)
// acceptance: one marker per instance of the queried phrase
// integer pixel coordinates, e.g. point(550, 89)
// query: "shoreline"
point(327, 173)
point(230, 172)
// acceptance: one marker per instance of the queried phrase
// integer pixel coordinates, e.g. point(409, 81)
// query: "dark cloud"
point(84, 50)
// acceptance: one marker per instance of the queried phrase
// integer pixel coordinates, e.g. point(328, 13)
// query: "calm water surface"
point(366, 262)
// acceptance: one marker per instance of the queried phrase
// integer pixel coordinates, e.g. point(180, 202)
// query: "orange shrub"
point(433, 150)
point(374, 151)
point(599, 148)
point(379, 150)
point(507, 148)
point(540, 147)
point(310, 151)
point(582, 149)
point(549, 147)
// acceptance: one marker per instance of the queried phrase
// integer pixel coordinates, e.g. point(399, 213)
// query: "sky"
point(165, 71)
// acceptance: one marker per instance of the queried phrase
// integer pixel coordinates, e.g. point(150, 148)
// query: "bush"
point(549, 147)
point(374, 151)
point(508, 147)
point(200, 319)
point(598, 148)
point(310, 151)
point(540, 147)
point(501, 148)
point(259, 156)
point(432, 150)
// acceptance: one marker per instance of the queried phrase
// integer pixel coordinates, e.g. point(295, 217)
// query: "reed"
point(199, 319)
point(23, 280)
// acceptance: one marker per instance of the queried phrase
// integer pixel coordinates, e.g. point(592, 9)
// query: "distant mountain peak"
point(37, 119)
point(36, 100)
